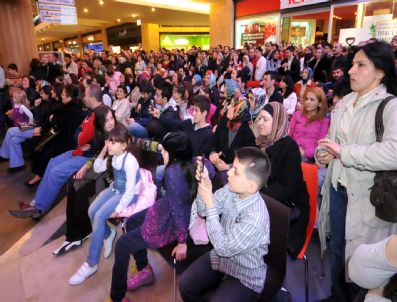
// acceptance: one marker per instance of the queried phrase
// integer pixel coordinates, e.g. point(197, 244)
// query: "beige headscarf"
point(279, 128)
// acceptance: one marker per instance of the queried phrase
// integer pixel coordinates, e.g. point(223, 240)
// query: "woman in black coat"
point(65, 121)
point(233, 132)
point(286, 182)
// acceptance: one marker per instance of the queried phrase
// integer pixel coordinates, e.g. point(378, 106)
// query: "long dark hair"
point(287, 79)
point(120, 134)
point(100, 134)
point(381, 55)
point(188, 169)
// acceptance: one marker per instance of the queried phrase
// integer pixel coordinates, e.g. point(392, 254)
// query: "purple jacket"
point(168, 219)
point(307, 136)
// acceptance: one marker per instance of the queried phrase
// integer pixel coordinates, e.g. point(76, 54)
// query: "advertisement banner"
point(257, 32)
point(286, 4)
point(385, 30)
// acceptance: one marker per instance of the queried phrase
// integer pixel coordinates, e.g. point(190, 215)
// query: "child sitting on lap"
point(240, 237)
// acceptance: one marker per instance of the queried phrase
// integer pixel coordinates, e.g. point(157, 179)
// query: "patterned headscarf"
point(240, 113)
point(231, 87)
point(279, 128)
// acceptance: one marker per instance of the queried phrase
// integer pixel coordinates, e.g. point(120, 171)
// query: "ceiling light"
point(153, 9)
point(101, 2)
point(60, 41)
point(181, 5)
point(85, 10)
point(133, 15)
point(42, 39)
point(118, 20)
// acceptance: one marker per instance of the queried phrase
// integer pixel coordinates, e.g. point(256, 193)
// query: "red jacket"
point(86, 134)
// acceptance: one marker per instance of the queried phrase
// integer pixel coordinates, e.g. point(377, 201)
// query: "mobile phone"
point(152, 105)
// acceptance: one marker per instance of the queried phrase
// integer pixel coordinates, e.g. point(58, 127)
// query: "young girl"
point(165, 222)
point(11, 148)
point(20, 112)
point(113, 200)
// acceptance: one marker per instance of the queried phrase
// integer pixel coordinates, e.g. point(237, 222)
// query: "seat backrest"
point(276, 258)
point(310, 175)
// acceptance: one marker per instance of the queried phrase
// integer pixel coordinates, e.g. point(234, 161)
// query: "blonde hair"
point(322, 104)
point(21, 96)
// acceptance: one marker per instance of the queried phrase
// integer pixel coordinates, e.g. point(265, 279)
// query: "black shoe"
point(16, 169)
point(3, 159)
point(26, 213)
point(66, 247)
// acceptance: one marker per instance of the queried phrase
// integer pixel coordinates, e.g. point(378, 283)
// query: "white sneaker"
point(108, 244)
point(83, 273)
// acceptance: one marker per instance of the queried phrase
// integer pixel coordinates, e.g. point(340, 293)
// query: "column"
point(222, 23)
point(17, 35)
point(150, 36)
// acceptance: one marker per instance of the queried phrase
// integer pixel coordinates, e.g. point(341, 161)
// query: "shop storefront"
point(184, 40)
point(72, 45)
point(93, 41)
point(257, 22)
point(305, 22)
point(125, 35)
point(361, 20)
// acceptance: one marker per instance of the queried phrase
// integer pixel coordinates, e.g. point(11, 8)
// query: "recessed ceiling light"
point(60, 41)
point(153, 9)
point(85, 10)
point(101, 2)
point(118, 20)
point(133, 15)
point(42, 39)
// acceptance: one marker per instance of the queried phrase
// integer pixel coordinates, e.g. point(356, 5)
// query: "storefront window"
point(362, 21)
point(304, 30)
point(185, 41)
point(257, 30)
point(97, 46)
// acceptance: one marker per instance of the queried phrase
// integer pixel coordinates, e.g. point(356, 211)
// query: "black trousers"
point(200, 278)
point(130, 243)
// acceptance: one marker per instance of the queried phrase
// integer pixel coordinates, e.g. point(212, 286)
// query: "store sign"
point(258, 33)
point(58, 11)
point(385, 30)
point(286, 4)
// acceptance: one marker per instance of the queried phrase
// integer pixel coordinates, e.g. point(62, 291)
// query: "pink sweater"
point(307, 136)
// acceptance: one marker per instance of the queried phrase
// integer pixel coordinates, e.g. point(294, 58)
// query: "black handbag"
point(384, 191)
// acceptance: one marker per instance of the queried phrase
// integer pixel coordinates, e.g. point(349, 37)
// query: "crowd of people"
point(239, 120)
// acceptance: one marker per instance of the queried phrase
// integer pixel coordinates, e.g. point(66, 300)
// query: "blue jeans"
point(58, 171)
point(99, 211)
point(12, 147)
point(338, 205)
point(137, 130)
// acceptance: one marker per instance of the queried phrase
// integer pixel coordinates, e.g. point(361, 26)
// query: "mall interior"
point(32, 28)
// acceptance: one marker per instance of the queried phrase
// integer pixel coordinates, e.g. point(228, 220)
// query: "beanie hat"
point(178, 145)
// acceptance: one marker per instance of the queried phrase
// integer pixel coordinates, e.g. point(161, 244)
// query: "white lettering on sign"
point(43, 6)
point(60, 2)
point(285, 4)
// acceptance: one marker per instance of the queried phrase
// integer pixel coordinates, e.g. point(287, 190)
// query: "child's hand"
point(215, 157)
point(222, 166)
point(81, 172)
point(179, 251)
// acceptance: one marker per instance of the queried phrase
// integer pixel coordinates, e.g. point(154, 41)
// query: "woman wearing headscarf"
point(196, 82)
point(286, 182)
point(210, 81)
point(304, 83)
point(232, 133)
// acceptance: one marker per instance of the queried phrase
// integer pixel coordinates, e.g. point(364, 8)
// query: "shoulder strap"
point(379, 127)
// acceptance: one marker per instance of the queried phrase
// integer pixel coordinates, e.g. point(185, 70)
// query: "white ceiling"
point(106, 15)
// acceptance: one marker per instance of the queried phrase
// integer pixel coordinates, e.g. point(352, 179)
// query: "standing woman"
point(286, 182)
point(353, 156)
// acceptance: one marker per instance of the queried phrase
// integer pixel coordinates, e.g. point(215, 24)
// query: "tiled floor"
point(29, 272)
